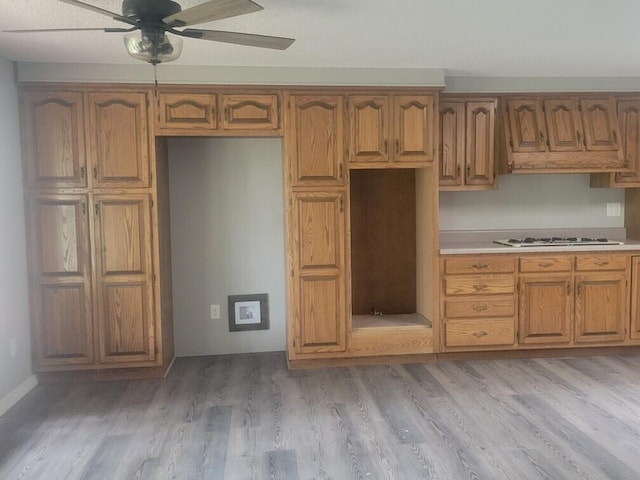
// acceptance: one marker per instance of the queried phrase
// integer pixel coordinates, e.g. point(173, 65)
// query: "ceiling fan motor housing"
point(149, 10)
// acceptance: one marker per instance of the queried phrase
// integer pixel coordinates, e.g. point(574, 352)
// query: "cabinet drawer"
point(545, 264)
point(475, 307)
point(479, 265)
point(478, 284)
point(475, 333)
point(601, 262)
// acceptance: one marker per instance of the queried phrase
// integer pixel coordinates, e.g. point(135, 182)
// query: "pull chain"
point(155, 75)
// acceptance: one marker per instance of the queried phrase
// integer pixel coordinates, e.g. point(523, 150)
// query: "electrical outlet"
point(13, 347)
point(215, 312)
point(614, 209)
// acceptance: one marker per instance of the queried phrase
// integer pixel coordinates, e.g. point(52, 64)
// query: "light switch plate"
point(614, 209)
point(215, 312)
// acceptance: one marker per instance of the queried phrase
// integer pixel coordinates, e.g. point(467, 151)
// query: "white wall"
point(530, 202)
point(227, 238)
point(14, 305)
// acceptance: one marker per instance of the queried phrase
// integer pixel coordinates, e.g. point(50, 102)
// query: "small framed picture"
point(248, 312)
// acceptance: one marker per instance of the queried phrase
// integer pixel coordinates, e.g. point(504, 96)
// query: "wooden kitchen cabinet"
point(315, 144)
point(219, 112)
point(60, 276)
point(565, 299)
point(388, 131)
point(634, 331)
point(318, 286)
point(562, 133)
point(124, 276)
point(628, 110)
point(117, 140)
point(478, 303)
point(467, 144)
point(53, 139)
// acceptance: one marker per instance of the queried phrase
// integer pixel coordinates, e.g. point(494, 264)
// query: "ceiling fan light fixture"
point(153, 47)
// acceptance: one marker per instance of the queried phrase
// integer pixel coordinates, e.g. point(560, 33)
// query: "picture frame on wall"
point(248, 312)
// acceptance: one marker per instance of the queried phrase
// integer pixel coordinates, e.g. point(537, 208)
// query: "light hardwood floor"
point(248, 417)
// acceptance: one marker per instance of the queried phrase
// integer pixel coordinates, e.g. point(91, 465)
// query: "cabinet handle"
point(84, 209)
point(397, 146)
point(386, 146)
point(226, 114)
point(579, 289)
point(96, 209)
point(340, 171)
point(542, 140)
point(480, 288)
point(602, 263)
point(341, 204)
point(82, 172)
point(579, 138)
point(95, 173)
point(615, 136)
point(468, 170)
point(479, 308)
point(480, 334)
point(479, 266)
point(458, 169)
point(568, 289)
point(545, 264)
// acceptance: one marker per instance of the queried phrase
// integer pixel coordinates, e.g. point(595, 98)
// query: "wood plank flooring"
point(248, 417)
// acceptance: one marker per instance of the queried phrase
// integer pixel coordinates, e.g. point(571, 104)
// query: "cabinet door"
point(60, 280)
point(545, 308)
point(526, 125)
point(319, 324)
point(600, 124)
point(124, 278)
point(601, 311)
point(635, 299)
point(564, 128)
point(250, 112)
point(368, 129)
point(316, 140)
point(413, 128)
point(629, 120)
point(187, 111)
point(452, 143)
point(54, 152)
point(480, 134)
point(118, 139)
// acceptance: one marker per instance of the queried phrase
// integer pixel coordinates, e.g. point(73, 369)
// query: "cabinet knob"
point(480, 288)
point(480, 334)
point(602, 263)
point(479, 266)
point(479, 308)
point(545, 264)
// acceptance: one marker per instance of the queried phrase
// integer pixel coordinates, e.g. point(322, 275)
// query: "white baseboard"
point(17, 393)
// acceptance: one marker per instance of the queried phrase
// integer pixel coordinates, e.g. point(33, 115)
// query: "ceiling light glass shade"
point(153, 47)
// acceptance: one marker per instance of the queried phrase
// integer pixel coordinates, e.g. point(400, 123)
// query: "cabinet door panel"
point(53, 125)
point(481, 119)
point(635, 298)
point(601, 313)
point(564, 128)
point(413, 128)
point(600, 125)
point(317, 142)
point(124, 279)
point(526, 123)
point(250, 112)
point(118, 139)
point(545, 309)
point(318, 285)
point(452, 143)
point(369, 129)
point(60, 275)
point(629, 121)
point(188, 111)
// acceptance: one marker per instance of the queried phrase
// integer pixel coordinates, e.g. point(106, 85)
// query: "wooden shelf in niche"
point(383, 250)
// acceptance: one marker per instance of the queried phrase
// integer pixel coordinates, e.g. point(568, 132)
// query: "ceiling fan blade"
point(210, 11)
point(99, 10)
point(250, 39)
point(40, 30)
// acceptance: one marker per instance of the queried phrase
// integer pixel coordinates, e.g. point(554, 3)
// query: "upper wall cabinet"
point(390, 130)
point(628, 108)
point(562, 134)
point(78, 140)
point(315, 141)
point(467, 143)
point(219, 114)
point(53, 131)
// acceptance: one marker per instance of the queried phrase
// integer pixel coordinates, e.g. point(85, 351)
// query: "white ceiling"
point(573, 38)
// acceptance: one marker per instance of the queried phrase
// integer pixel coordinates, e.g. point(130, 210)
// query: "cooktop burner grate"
point(556, 241)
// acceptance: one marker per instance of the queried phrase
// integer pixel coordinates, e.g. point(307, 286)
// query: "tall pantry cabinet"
point(95, 235)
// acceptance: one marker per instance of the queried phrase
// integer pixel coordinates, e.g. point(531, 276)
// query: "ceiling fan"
point(150, 20)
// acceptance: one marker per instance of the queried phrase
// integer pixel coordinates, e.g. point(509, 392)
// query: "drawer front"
point(601, 262)
point(546, 264)
point(478, 307)
point(479, 264)
point(478, 284)
point(476, 333)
